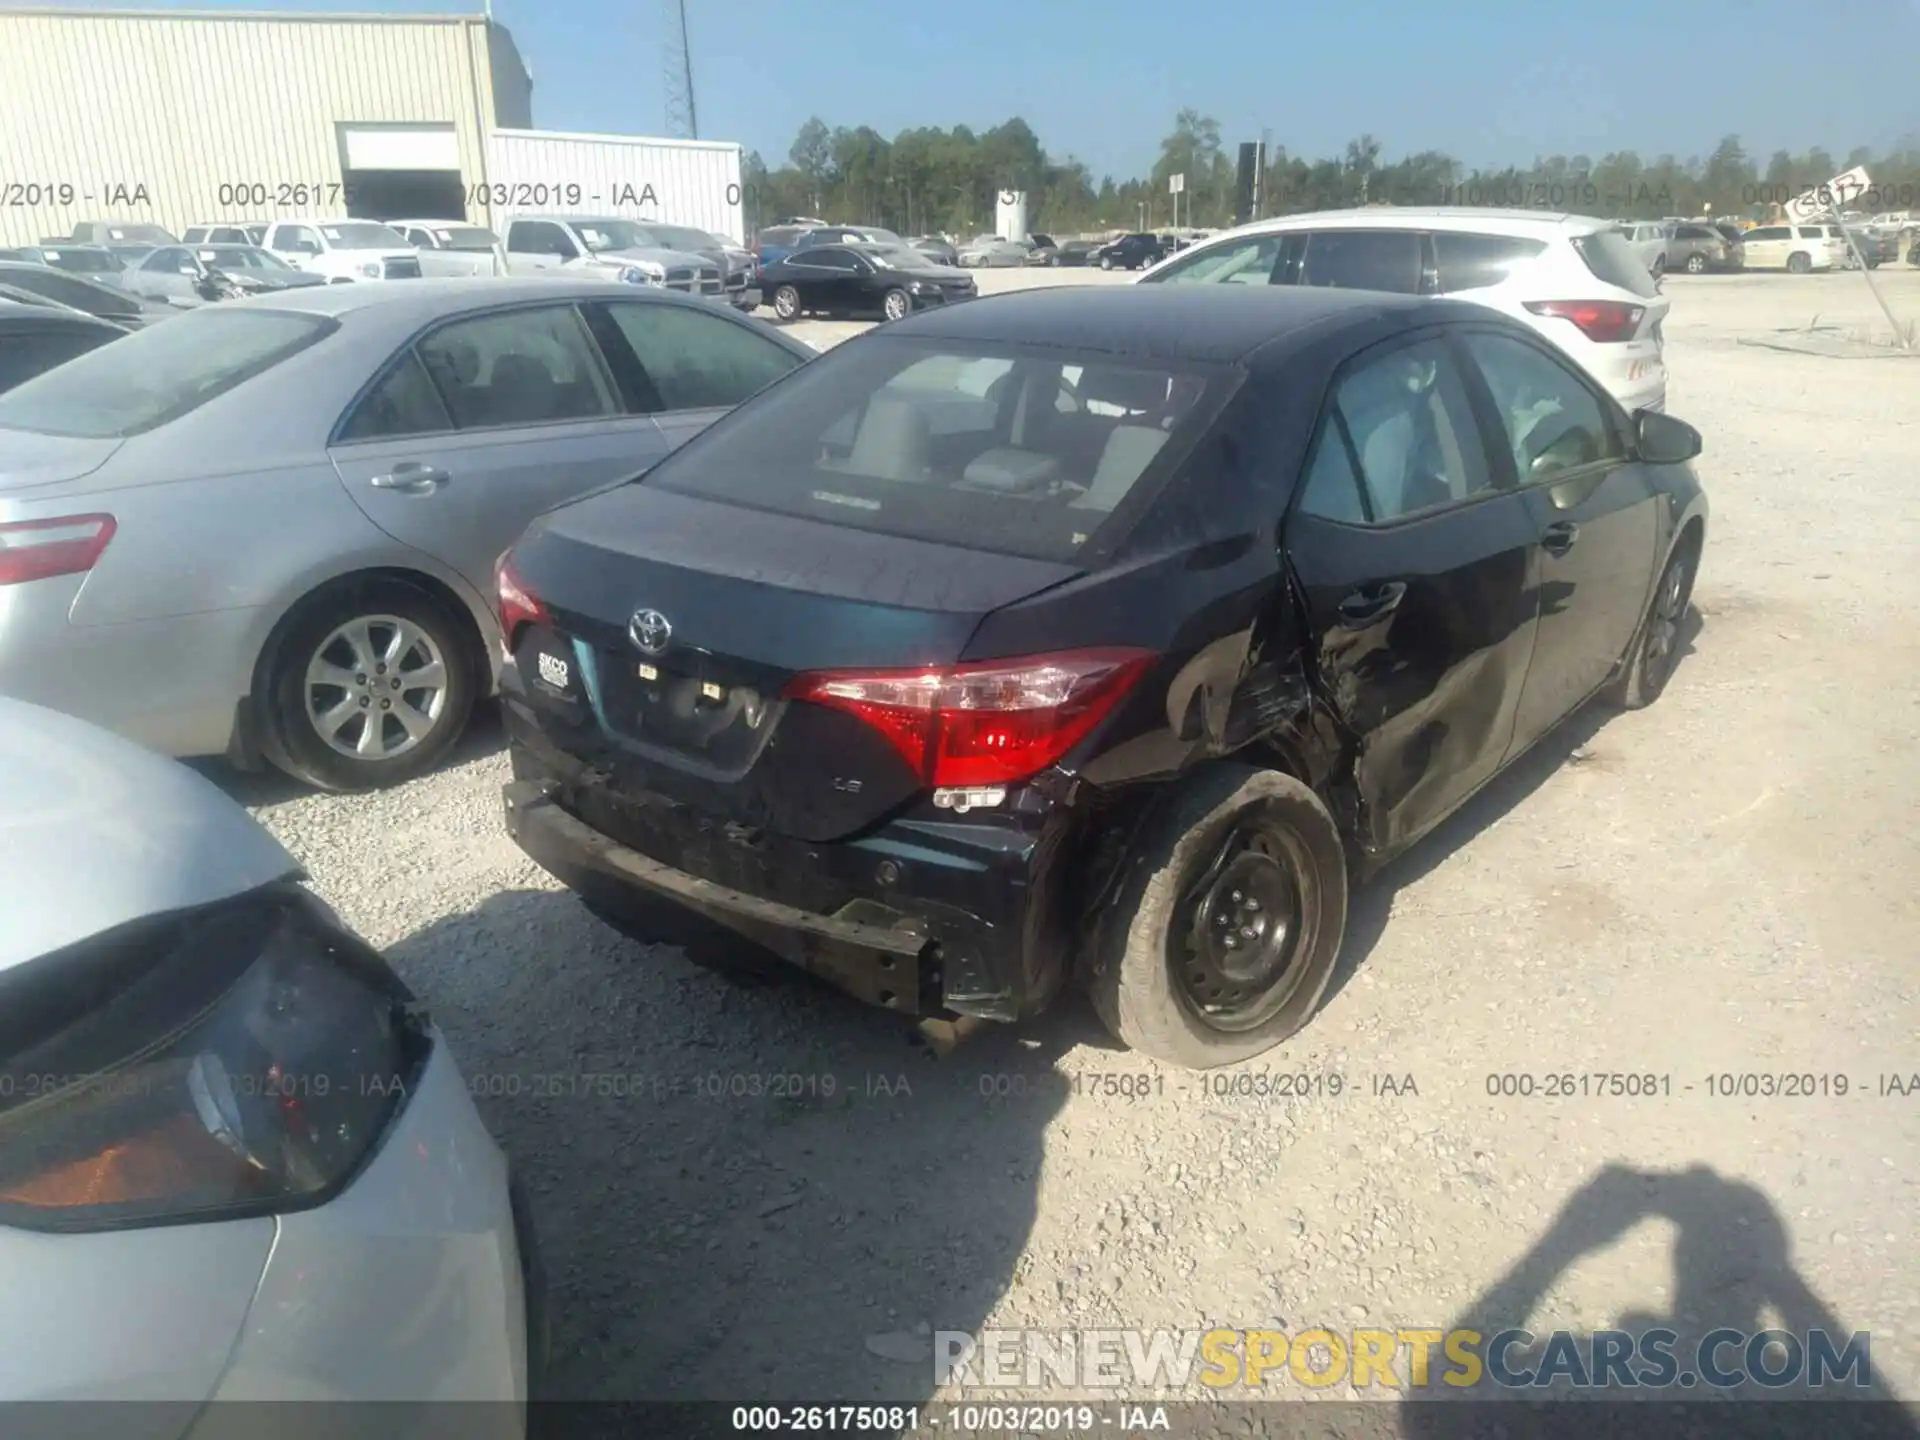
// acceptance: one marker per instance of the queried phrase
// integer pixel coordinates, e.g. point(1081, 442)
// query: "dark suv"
point(1131, 252)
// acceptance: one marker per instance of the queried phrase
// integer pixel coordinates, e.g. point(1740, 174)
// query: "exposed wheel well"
point(438, 590)
point(1693, 536)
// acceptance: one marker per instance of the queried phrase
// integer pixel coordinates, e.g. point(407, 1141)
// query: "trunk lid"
point(677, 623)
point(29, 460)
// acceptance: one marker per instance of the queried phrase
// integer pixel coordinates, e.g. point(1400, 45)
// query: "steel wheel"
point(1250, 922)
point(376, 688)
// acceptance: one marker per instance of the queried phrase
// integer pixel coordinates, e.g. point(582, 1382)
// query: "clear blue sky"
point(1489, 81)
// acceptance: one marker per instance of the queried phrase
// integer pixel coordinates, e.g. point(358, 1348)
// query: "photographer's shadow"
point(1732, 1267)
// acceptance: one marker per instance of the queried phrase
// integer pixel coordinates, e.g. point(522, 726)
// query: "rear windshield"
point(978, 447)
point(465, 237)
point(140, 235)
point(158, 374)
point(363, 235)
point(84, 262)
point(1613, 261)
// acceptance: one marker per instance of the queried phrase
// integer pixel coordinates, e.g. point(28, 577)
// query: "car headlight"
point(247, 1059)
point(919, 287)
point(371, 270)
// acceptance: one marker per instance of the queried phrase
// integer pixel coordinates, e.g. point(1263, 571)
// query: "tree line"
point(928, 179)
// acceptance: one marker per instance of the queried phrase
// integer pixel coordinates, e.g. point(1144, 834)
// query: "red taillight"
point(1604, 321)
point(41, 549)
point(988, 723)
point(518, 605)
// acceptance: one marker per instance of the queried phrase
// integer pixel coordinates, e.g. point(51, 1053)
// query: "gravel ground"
point(1721, 883)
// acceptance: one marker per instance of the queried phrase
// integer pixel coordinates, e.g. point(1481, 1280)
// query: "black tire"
point(897, 305)
point(1659, 266)
point(1174, 887)
point(1656, 646)
point(786, 303)
point(1696, 264)
point(291, 695)
point(1799, 263)
point(1106, 262)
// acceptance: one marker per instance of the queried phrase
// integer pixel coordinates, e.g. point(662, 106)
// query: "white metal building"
point(192, 117)
point(678, 182)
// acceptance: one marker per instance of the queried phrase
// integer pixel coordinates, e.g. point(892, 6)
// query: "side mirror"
point(1665, 440)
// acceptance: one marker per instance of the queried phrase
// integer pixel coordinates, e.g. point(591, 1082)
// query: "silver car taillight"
point(42, 549)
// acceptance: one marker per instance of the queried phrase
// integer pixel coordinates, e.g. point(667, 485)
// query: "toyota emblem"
point(649, 631)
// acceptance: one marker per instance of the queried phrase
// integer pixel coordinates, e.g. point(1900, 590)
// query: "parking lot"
point(1721, 885)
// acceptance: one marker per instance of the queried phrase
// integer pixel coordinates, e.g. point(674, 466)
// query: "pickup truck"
point(453, 247)
point(609, 247)
point(343, 250)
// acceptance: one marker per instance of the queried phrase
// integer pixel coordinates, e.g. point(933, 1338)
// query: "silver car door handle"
point(412, 477)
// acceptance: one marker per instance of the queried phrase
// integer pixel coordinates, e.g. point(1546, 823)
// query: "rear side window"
point(1814, 232)
point(521, 367)
point(1465, 261)
point(403, 403)
point(1247, 261)
point(1412, 432)
point(1613, 262)
point(154, 376)
point(698, 361)
point(1769, 232)
point(987, 448)
point(1332, 490)
point(1364, 260)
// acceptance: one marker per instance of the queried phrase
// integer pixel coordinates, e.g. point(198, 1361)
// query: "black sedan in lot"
point(36, 337)
point(104, 302)
point(889, 280)
point(1131, 252)
point(961, 664)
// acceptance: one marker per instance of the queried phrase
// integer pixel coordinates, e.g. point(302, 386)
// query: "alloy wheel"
point(1250, 923)
point(376, 687)
point(1663, 626)
point(897, 305)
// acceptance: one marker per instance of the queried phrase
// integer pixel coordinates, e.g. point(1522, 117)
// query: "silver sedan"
point(267, 529)
point(237, 1161)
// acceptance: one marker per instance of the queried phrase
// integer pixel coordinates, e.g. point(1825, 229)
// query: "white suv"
point(343, 250)
point(1798, 248)
point(1573, 278)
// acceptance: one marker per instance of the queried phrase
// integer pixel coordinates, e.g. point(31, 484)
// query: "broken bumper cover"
point(941, 921)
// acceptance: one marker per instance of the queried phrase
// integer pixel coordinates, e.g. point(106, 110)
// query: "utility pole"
point(683, 122)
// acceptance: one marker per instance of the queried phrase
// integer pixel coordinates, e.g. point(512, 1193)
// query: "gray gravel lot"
point(1722, 883)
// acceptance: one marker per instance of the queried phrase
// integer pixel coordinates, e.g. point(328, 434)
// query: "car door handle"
point(412, 477)
point(1363, 607)
point(1558, 539)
